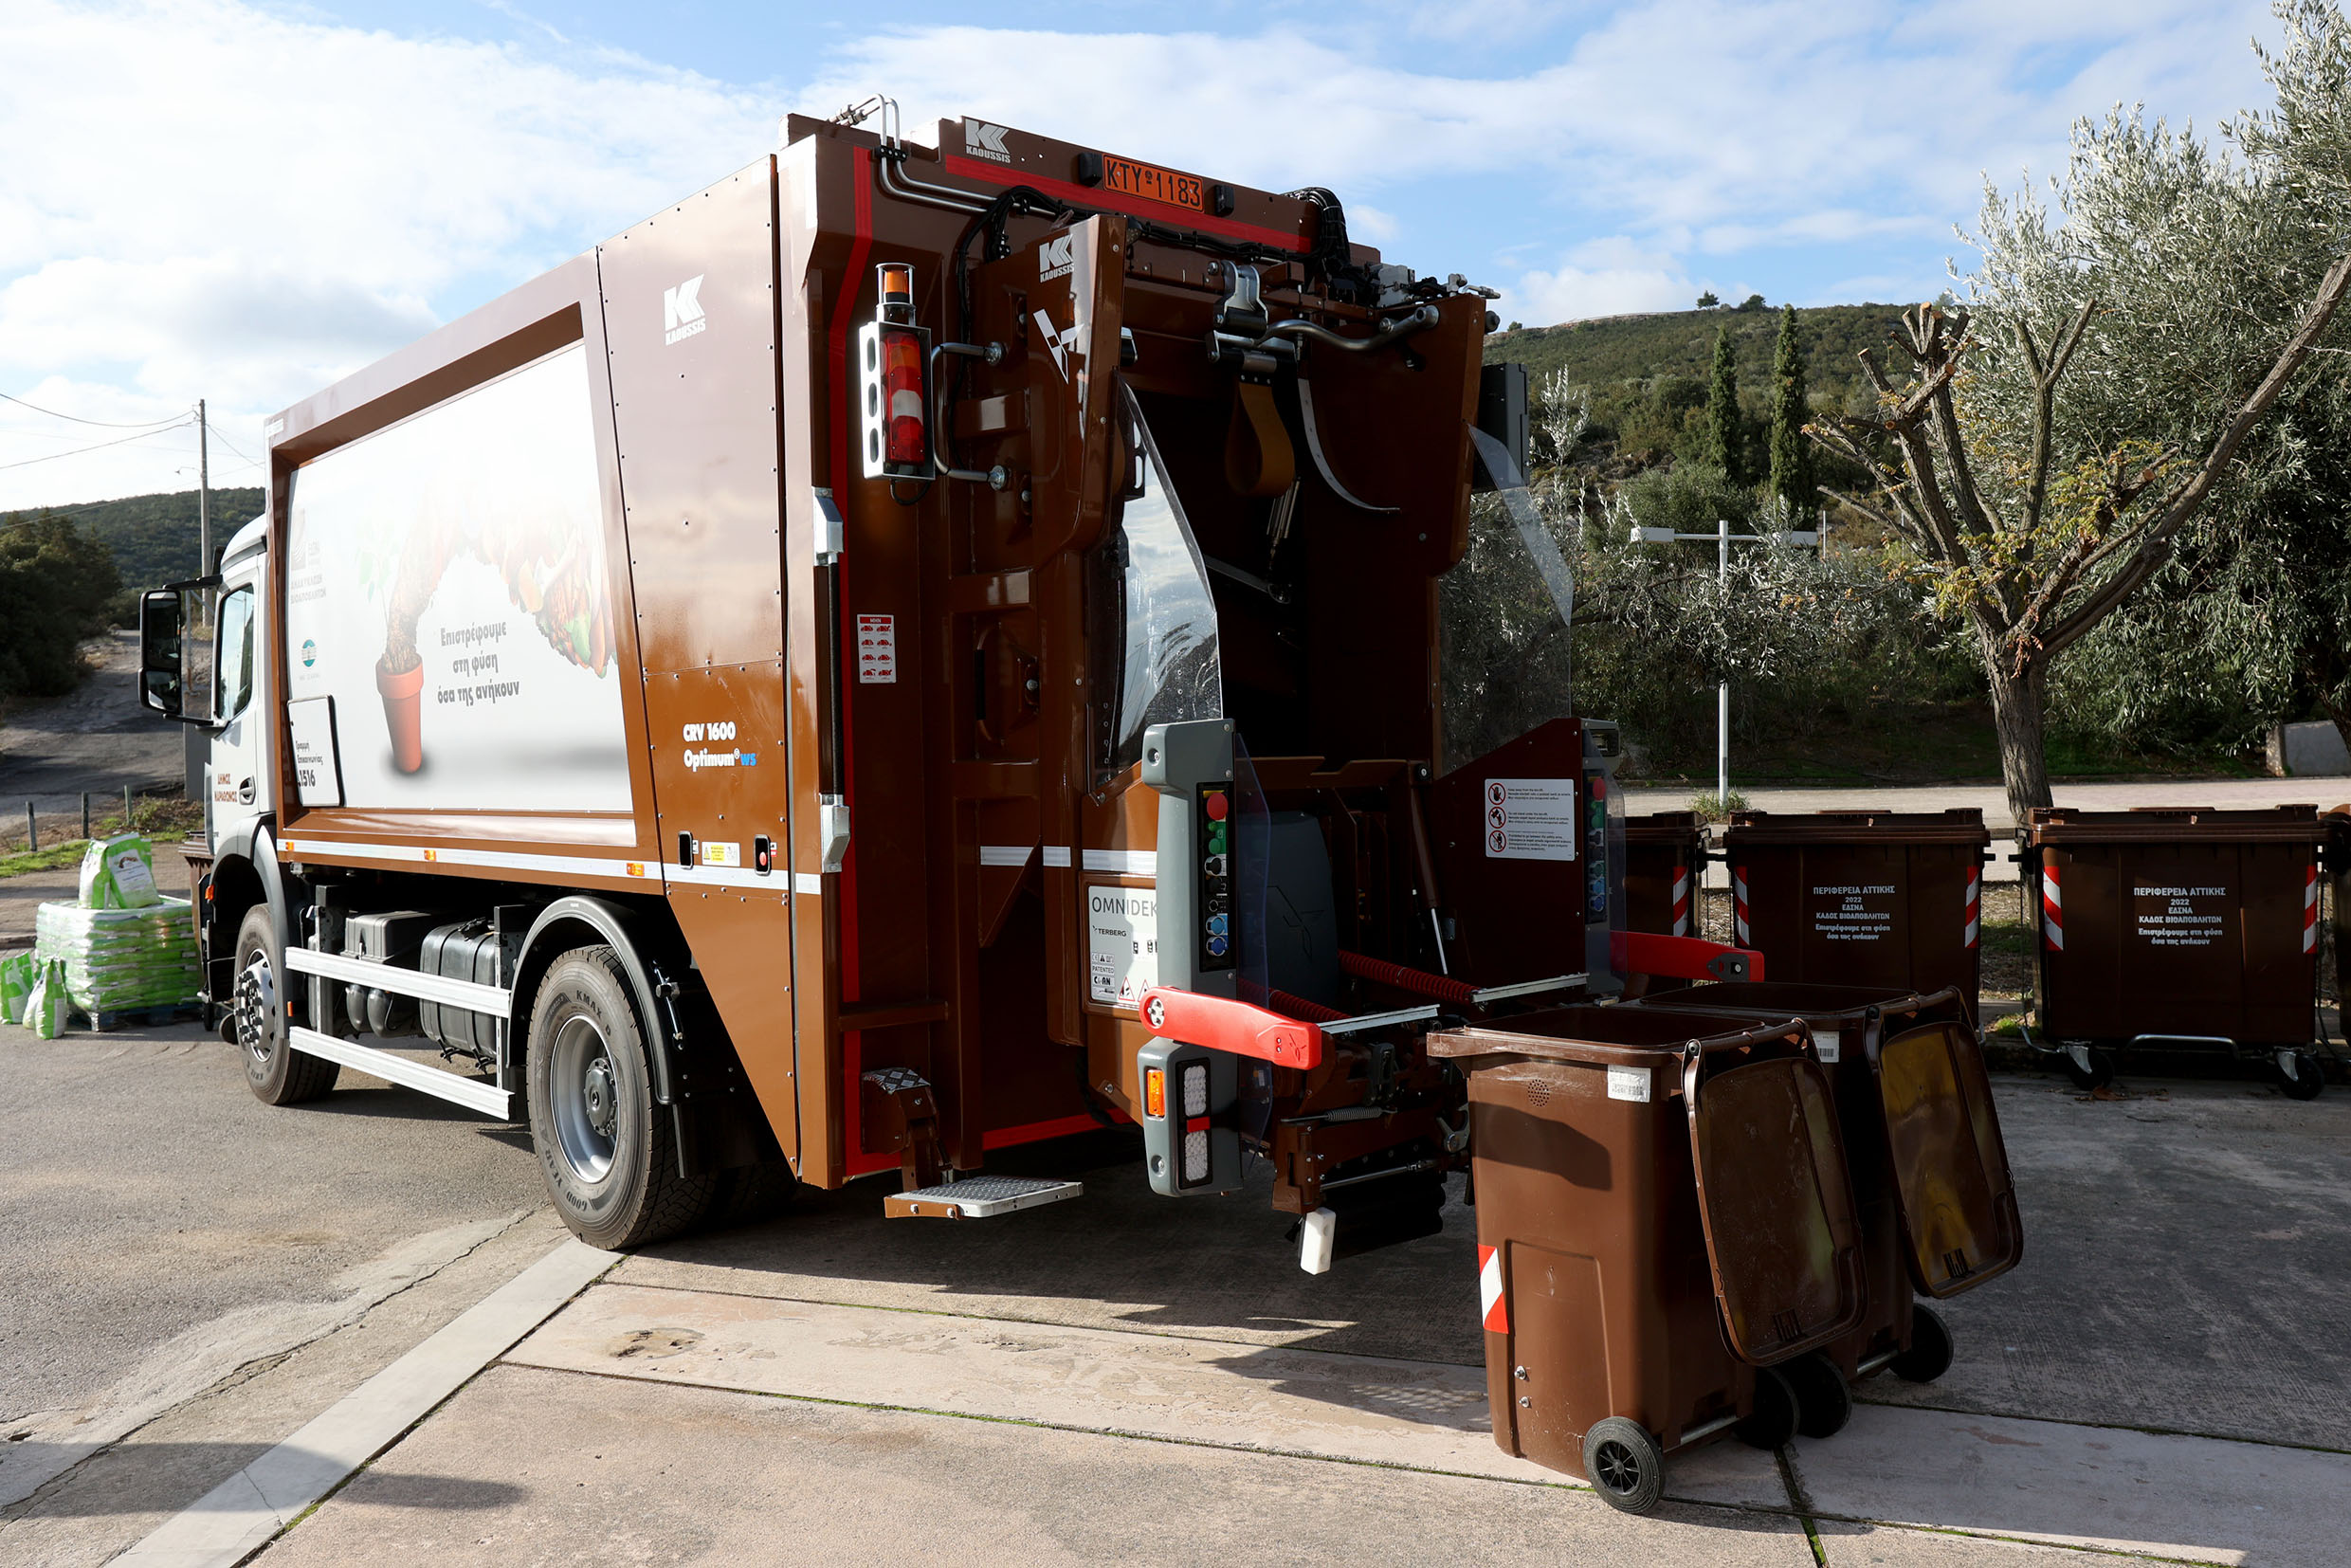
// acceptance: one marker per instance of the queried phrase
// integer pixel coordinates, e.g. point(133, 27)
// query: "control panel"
point(1220, 937)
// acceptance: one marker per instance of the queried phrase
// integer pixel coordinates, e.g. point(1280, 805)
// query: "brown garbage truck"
point(908, 652)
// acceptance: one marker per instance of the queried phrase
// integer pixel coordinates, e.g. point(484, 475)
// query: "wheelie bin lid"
point(1960, 825)
point(2058, 825)
point(1600, 1037)
point(1759, 1000)
point(1949, 1161)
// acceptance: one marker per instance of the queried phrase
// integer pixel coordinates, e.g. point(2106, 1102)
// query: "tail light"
point(894, 381)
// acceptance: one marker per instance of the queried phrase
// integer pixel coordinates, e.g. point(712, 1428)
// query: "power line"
point(104, 424)
point(28, 462)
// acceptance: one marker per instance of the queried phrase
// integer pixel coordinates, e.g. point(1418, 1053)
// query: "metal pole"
point(204, 494)
point(1722, 693)
point(127, 826)
point(33, 829)
point(85, 815)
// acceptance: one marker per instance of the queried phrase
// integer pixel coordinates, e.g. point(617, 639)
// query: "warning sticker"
point(1121, 943)
point(1530, 819)
point(877, 650)
point(1854, 912)
point(1629, 1083)
point(2180, 916)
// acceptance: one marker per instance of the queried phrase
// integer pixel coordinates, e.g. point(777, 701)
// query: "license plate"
point(1149, 180)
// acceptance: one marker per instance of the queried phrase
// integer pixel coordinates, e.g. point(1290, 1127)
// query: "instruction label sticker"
point(1530, 819)
point(1827, 1041)
point(2167, 916)
point(1121, 943)
point(318, 772)
point(1629, 1083)
point(714, 853)
point(877, 650)
point(1854, 912)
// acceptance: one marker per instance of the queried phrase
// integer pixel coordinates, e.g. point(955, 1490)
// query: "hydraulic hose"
point(1419, 982)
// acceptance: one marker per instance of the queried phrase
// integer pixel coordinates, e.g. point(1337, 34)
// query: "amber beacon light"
point(893, 365)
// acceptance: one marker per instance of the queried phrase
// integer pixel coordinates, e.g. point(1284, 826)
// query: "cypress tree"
point(1726, 444)
point(1792, 455)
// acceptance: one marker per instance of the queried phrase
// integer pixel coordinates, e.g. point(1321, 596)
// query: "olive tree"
point(2049, 439)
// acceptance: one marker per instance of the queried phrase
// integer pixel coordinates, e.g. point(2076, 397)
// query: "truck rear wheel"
point(274, 1070)
point(605, 1149)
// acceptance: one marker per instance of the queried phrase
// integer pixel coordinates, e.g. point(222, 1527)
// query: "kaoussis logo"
point(1057, 257)
point(983, 141)
point(682, 310)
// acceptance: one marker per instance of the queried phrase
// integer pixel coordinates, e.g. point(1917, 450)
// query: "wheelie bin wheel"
point(2089, 1067)
point(2300, 1075)
point(1823, 1403)
point(1773, 1422)
point(1929, 1356)
point(1625, 1465)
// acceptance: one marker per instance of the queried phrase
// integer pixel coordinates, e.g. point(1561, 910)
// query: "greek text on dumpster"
point(1855, 912)
point(2168, 917)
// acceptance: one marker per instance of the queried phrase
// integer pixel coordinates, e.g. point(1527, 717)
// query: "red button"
point(1216, 807)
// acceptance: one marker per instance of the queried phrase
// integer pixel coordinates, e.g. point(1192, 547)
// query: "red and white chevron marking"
point(1681, 902)
point(1739, 901)
point(2310, 911)
point(1974, 905)
point(2052, 909)
point(1496, 1311)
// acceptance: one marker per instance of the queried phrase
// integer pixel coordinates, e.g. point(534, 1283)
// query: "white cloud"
point(1607, 277)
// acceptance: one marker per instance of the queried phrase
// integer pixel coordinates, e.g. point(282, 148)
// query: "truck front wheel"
point(274, 1070)
point(605, 1149)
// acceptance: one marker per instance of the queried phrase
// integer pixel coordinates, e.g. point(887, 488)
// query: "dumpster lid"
point(2175, 824)
point(1960, 825)
point(1950, 1165)
point(1664, 828)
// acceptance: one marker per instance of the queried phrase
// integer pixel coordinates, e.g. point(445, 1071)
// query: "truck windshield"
point(1154, 620)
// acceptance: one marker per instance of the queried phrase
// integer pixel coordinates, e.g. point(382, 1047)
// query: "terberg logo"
point(682, 311)
point(982, 140)
point(1056, 257)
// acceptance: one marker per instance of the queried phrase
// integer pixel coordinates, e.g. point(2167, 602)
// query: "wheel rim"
point(585, 1092)
point(255, 1006)
point(1618, 1467)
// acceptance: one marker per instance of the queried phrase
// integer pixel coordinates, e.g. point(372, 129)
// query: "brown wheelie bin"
point(1663, 1213)
point(2180, 926)
point(1665, 862)
point(1862, 898)
point(1932, 1189)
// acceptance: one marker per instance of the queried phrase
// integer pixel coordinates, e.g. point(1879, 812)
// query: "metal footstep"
point(979, 1197)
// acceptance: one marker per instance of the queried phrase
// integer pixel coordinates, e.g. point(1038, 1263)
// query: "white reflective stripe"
point(2048, 889)
point(807, 882)
point(1005, 854)
point(1129, 863)
point(1489, 1290)
point(501, 860)
point(2055, 933)
point(445, 989)
point(406, 1071)
point(1057, 855)
point(1970, 932)
point(722, 876)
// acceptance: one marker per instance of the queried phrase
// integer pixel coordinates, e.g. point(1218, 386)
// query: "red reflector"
point(902, 392)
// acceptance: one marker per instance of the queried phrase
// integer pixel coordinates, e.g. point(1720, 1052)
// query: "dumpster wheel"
point(2300, 1076)
point(1625, 1465)
point(1823, 1403)
point(1928, 1354)
point(2088, 1066)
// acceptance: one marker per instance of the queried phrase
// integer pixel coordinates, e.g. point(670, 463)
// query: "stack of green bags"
point(121, 947)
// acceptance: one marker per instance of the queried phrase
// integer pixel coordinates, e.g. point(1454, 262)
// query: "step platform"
point(979, 1197)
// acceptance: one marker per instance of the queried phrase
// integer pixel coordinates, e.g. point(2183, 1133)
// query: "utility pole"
point(1723, 538)
point(204, 495)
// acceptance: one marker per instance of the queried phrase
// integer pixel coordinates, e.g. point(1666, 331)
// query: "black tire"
point(274, 1070)
point(1823, 1403)
point(1928, 1354)
point(1772, 1423)
point(1625, 1465)
point(606, 1151)
point(751, 1194)
point(2096, 1076)
point(2303, 1079)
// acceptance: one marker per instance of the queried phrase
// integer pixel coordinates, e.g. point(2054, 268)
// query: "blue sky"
point(241, 199)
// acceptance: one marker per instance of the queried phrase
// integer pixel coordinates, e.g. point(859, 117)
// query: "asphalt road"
point(98, 740)
point(159, 1227)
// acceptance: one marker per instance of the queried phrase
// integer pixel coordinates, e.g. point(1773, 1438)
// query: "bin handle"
point(1694, 1053)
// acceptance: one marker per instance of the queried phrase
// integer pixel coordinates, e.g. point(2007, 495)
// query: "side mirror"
point(177, 632)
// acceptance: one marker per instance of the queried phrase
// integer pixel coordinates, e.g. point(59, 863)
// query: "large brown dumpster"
point(1942, 1217)
point(1663, 1213)
point(1862, 898)
point(1664, 860)
point(2167, 927)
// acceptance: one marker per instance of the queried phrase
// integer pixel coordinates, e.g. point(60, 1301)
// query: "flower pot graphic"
point(402, 693)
